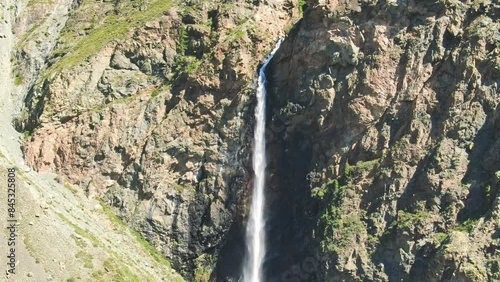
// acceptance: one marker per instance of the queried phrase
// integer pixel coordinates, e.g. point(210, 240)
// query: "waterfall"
point(255, 233)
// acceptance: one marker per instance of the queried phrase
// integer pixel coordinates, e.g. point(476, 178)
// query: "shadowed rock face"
point(391, 113)
point(382, 130)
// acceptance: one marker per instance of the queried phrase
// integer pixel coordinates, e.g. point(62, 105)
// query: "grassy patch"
point(439, 238)
point(467, 226)
point(26, 135)
point(114, 27)
point(97, 274)
point(28, 245)
point(35, 2)
point(203, 269)
point(159, 90)
point(80, 231)
point(112, 216)
point(185, 64)
point(18, 79)
point(338, 230)
point(346, 230)
point(179, 188)
point(183, 41)
point(152, 251)
point(408, 221)
point(488, 193)
point(373, 241)
point(30, 249)
point(80, 243)
point(182, 62)
point(301, 5)
point(27, 34)
point(70, 188)
point(236, 34)
point(86, 258)
point(120, 271)
point(360, 167)
point(333, 195)
point(331, 187)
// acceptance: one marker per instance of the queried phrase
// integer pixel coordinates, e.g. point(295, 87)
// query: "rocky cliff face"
point(150, 108)
point(383, 120)
point(389, 119)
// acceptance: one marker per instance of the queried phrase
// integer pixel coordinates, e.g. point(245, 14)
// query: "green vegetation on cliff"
point(116, 22)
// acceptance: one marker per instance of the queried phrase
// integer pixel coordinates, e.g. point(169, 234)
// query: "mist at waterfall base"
point(255, 231)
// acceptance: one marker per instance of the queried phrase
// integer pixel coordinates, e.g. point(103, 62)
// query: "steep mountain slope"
point(383, 126)
point(148, 106)
point(60, 234)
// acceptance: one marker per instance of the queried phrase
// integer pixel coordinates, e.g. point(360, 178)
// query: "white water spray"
point(255, 233)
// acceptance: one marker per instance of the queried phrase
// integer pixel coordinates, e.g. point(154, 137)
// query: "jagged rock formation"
point(59, 234)
point(150, 108)
point(390, 117)
point(383, 120)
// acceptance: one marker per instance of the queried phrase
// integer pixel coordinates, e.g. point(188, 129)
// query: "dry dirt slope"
point(62, 236)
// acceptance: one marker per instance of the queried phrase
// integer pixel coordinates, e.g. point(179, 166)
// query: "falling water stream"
point(255, 233)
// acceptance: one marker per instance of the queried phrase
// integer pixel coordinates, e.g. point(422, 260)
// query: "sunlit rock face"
point(151, 109)
point(382, 120)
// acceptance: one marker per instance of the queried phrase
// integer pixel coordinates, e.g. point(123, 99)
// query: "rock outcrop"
point(150, 108)
point(383, 121)
point(389, 116)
